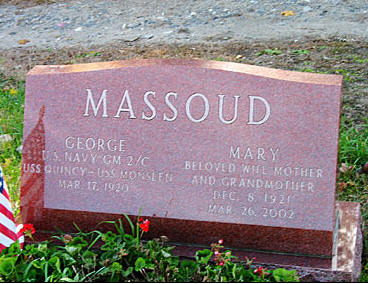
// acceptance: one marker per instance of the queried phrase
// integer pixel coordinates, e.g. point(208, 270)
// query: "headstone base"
point(344, 266)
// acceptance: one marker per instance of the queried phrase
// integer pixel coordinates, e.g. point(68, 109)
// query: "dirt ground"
point(58, 24)
point(28, 3)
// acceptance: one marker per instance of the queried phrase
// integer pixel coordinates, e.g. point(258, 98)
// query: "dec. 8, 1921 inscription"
point(195, 140)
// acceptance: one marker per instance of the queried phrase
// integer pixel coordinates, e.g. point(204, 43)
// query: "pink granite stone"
point(206, 149)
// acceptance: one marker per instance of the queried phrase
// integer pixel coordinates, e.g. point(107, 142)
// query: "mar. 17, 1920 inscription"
point(193, 140)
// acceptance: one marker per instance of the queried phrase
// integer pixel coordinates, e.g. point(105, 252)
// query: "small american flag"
point(9, 231)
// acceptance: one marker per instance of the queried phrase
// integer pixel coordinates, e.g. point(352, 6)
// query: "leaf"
point(187, 269)
point(72, 249)
point(95, 240)
point(75, 225)
point(79, 241)
point(23, 41)
point(342, 186)
point(7, 265)
point(67, 279)
point(88, 255)
point(89, 259)
point(127, 272)
point(68, 260)
point(345, 168)
point(116, 266)
point(119, 229)
point(14, 248)
point(203, 256)
point(55, 263)
point(140, 263)
point(283, 275)
point(28, 270)
point(101, 271)
point(188, 264)
point(46, 270)
point(7, 163)
point(31, 276)
point(37, 263)
point(165, 254)
point(149, 265)
point(233, 271)
point(130, 223)
point(287, 13)
point(43, 247)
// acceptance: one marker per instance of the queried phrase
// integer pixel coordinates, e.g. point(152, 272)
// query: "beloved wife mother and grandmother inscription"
point(206, 149)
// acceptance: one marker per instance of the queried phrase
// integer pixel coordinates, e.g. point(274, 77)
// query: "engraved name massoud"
point(170, 98)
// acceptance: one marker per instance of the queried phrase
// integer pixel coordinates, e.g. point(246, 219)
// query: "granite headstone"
point(205, 149)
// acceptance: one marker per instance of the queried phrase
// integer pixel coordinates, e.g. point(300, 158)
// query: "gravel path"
point(87, 22)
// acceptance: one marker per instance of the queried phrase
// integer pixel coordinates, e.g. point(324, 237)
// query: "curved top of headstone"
point(302, 77)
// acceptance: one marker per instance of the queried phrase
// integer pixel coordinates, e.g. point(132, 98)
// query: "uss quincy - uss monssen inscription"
point(196, 141)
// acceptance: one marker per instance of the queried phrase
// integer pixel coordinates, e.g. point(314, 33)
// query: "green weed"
point(220, 59)
point(274, 51)
point(356, 58)
point(349, 76)
point(307, 63)
point(89, 54)
point(310, 70)
point(300, 51)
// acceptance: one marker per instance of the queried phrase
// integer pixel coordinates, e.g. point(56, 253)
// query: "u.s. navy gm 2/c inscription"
point(196, 142)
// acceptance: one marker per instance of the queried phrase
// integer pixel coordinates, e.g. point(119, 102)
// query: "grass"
point(353, 153)
point(352, 185)
point(11, 122)
point(353, 144)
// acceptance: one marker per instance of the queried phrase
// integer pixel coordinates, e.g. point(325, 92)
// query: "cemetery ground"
point(347, 58)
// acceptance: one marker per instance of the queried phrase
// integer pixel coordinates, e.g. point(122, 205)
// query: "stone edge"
point(294, 76)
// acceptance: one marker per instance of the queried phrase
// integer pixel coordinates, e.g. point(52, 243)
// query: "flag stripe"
point(5, 240)
point(6, 212)
point(5, 202)
point(5, 221)
point(9, 232)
